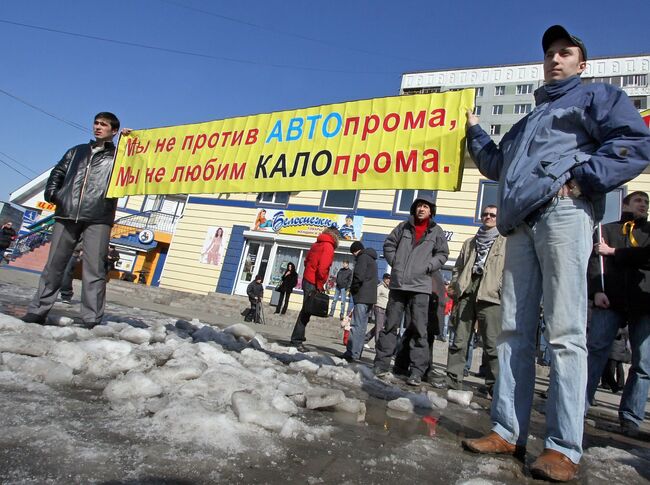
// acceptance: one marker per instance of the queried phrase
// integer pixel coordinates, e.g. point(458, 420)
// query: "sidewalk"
point(323, 334)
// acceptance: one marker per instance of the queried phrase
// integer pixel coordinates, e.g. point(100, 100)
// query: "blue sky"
point(214, 59)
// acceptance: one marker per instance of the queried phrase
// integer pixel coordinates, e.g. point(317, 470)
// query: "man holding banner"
point(77, 185)
point(554, 168)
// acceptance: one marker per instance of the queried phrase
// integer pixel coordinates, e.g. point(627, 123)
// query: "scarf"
point(420, 228)
point(484, 240)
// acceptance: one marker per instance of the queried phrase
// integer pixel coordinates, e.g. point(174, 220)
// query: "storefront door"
point(255, 262)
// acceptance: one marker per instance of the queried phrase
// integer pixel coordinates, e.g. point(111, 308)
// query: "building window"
point(524, 88)
point(404, 199)
point(167, 204)
point(499, 90)
point(639, 102)
point(635, 80)
point(495, 129)
point(479, 91)
point(342, 200)
point(522, 109)
point(273, 198)
point(487, 195)
point(477, 110)
point(497, 109)
point(122, 202)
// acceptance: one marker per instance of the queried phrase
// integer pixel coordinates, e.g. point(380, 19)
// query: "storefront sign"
point(46, 206)
point(298, 223)
point(401, 142)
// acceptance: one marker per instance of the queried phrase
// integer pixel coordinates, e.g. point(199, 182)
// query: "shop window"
point(273, 198)
point(284, 256)
point(404, 199)
point(340, 200)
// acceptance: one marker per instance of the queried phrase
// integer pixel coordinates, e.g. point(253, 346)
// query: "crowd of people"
point(554, 168)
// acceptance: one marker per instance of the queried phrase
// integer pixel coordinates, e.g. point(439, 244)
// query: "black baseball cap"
point(556, 32)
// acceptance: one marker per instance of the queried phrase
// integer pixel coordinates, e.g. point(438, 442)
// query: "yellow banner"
point(401, 142)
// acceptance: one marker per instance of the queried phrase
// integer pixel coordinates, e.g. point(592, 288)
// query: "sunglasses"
point(489, 214)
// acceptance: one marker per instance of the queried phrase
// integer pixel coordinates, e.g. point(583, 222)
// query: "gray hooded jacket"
point(412, 264)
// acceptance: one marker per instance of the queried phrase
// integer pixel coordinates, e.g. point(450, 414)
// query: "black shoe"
point(283, 312)
point(346, 357)
point(465, 372)
point(276, 313)
point(629, 428)
point(301, 348)
point(34, 318)
point(67, 301)
point(89, 325)
point(414, 380)
point(439, 383)
point(380, 372)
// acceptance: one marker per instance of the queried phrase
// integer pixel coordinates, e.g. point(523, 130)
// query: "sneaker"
point(66, 301)
point(414, 381)
point(366, 346)
point(34, 318)
point(301, 348)
point(465, 372)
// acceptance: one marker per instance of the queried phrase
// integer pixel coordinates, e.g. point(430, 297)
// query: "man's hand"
point(603, 249)
point(601, 300)
point(472, 119)
point(126, 131)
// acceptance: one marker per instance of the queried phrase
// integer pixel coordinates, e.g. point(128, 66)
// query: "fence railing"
point(152, 220)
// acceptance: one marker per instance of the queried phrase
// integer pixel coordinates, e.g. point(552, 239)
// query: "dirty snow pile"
point(185, 381)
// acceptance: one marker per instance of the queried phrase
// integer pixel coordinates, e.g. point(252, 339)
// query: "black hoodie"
point(364, 278)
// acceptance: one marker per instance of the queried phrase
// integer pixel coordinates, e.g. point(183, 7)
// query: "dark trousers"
point(614, 375)
point(65, 236)
point(298, 334)
point(415, 308)
point(284, 295)
point(402, 358)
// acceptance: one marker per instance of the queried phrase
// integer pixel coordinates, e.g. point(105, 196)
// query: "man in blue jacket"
point(554, 168)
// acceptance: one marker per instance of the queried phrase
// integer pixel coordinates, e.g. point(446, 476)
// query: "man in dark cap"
point(415, 249)
point(554, 168)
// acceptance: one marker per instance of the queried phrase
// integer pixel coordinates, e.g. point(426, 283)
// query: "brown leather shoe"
point(553, 465)
point(495, 444)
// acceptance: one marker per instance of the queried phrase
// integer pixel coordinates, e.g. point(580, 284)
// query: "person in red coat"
point(317, 269)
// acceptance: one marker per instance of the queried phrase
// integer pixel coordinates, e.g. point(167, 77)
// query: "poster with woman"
point(213, 246)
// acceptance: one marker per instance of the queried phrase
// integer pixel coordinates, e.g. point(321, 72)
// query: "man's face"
point(102, 130)
point(562, 60)
point(422, 211)
point(489, 217)
point(348, 221)
point(387, 281)
point(638, 206)
point(345, 264)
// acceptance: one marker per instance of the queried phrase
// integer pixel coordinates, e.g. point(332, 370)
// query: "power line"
point(15, 169)
point(21, 164)
point(33, 106)
point(190, 53)
point(288, 34)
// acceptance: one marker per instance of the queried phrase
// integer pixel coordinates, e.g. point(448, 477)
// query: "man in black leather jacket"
point(77, 185)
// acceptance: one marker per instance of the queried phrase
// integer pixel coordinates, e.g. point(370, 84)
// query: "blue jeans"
point(602, 332)
point(358, 327)
point(550, 258)
point(339, 294)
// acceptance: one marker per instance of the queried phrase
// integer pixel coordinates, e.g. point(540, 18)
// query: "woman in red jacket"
point(317, 269)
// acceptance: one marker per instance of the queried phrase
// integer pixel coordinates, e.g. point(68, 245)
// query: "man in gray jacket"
point(554, 168)
point(77, 185)
point(476, 289)
point(414, 249)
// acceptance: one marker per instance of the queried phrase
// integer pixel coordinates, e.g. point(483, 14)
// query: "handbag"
point(317, 304)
